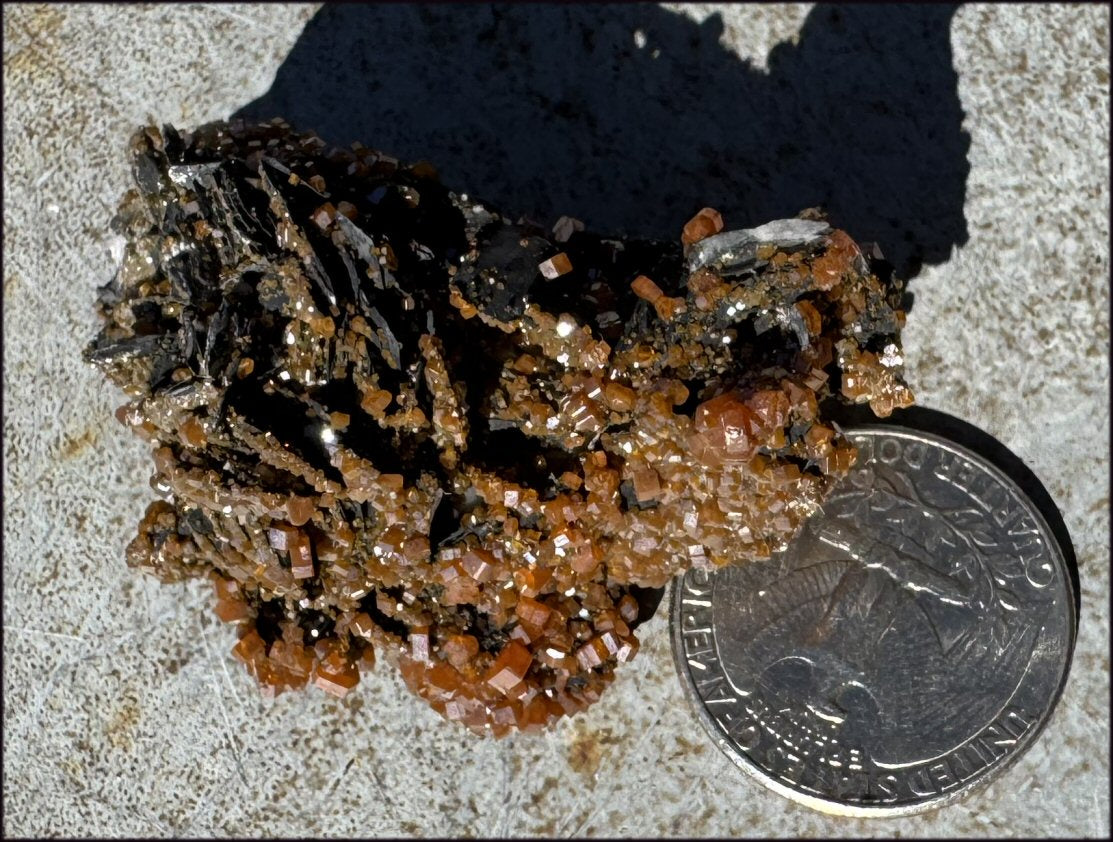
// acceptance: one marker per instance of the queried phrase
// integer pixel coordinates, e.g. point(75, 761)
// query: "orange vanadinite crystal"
point(193, 433)
point(250, 649)
point(668, 308)
point(232, 611)
point(479, 564)
point(509, 667)
point(335, 675)
point(532, 615)
point(644, 287)
point(728, 426)
point(647, 485)
point(460, 649)
point(701, 226)
point(300, 509)
point(836, 262)
point(618, 397)
point(530, 581)
point(555, 266)
point(391, 418)
point(231, 607)
point(812, 320)
point(324, 215)
point(301, 557)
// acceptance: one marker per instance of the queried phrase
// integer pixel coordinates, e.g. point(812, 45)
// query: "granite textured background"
point(124, 714)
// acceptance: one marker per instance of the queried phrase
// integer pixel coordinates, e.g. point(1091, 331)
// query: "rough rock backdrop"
point(971, 142)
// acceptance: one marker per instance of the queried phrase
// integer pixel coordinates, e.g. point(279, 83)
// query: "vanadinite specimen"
point(384, 415)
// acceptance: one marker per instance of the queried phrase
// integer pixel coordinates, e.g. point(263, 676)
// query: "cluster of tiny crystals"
point(387, 418)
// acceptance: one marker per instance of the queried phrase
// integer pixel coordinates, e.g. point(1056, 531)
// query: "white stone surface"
point(124, 714)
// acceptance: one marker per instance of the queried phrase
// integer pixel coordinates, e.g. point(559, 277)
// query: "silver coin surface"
point(910, 643)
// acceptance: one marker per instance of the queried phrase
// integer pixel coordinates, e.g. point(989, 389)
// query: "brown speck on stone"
point(585, 753)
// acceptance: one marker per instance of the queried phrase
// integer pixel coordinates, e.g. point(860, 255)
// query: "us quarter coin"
point(909, 644)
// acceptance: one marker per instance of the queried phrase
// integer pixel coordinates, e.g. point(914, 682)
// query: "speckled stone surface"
point(124, 714)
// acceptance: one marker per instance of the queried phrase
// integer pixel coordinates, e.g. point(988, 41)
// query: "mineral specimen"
point(384, 415)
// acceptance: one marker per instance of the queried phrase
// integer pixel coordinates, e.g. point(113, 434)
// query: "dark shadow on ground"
point(631, 117)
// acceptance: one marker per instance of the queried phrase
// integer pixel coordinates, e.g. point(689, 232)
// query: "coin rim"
point(980, 781)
